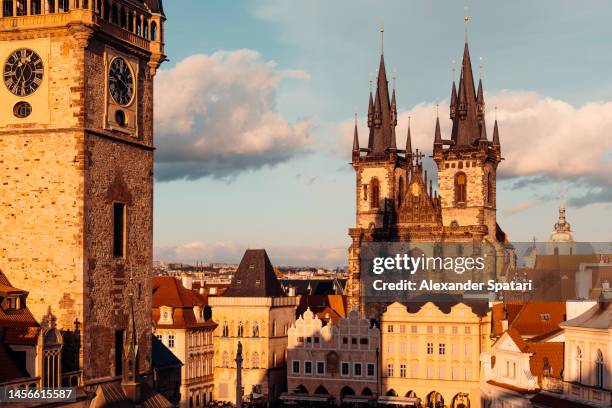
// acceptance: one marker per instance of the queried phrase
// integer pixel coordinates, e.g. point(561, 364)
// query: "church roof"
point(255, 277)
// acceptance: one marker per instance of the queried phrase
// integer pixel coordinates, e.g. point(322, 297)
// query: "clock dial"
point(23, 72)
point(121, 82)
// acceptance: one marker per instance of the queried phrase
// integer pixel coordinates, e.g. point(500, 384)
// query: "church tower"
point(467, 162)
point(381, 173)
point(76, 166)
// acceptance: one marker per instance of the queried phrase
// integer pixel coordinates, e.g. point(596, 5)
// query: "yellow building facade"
point(432, 353)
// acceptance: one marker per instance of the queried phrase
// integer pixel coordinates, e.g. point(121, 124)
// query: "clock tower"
point(76, 172)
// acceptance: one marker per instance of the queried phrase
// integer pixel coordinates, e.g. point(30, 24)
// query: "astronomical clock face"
point(23, 72)
point(415, 189)
point(121, 82)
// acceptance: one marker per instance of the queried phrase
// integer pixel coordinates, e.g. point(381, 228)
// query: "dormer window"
point(165, 315)
point(12, 303)
point(198, 313)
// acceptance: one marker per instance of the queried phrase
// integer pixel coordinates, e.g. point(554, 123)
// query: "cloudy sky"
point(254, 115)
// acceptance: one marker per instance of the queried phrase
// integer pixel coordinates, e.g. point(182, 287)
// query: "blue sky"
point(241, 71)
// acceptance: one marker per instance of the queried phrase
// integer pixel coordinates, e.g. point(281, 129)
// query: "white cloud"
point(541, 137)
point(215, 115)
point(307, 255)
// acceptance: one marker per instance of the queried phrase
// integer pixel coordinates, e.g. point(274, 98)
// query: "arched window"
point(130, 23)
point(460, 188)
point(138, 26)
point(225, 330)
point(36, 7)
point(599, 369)
point(98, 7)
point(578, 365)
point(225, 360)
point(240, 329)
point(375, 194)
point(114, 14)
point(400, 191)
point(273, 328)
point(255, 329)
point(63, 5)
point(107, 11)
point(123, 20)
point(255, 360)
point(153, 31)
point(145, 28)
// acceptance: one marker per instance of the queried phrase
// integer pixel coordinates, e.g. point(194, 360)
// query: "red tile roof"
point(538, 318)
point(9, 369)
point(18, 326)
point(169, 291)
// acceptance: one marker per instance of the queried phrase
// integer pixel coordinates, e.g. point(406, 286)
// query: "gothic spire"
point(453, 101)
point(495, 135)
point(371, 108)
point(438, 136)
point(381, 130)
point(355, 137)
point(466, 129)
point(408, 140)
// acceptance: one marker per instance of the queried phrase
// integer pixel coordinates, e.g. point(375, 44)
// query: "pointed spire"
point(370, 108)
point(408, 140)
point(356, 137)
point(453, 101)
point(483, 132)
point(466, 123)
point(480, 104)
point(438, 136)
point(495, 135)
point(382, 129)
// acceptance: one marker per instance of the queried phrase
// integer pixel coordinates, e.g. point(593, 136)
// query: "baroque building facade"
point(395, 199)
point(76, 163)
point(431, 354)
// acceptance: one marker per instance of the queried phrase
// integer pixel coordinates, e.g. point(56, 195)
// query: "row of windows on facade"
point(598, 364)
point(430, 348)
point(430, 372)
point(345, 340)
point(242, 329)
point(199, 398)
point(248, 362)
point(460, 190)
point(429, 329)
point(200, 365)
point(345, 368)
point(199, 338)
point(119, 15)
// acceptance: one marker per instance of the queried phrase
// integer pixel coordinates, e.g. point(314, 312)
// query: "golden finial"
point(408, 121)
point(394, 78)
point(370, 85)
point(466, 19)
point(355, 118)
point(496, 113)
point(382, 40)
point(437, 109)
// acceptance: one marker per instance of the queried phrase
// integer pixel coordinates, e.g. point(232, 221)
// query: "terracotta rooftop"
point(9, 368)
point(18, 325)
point(538, 318)
point(169, 291)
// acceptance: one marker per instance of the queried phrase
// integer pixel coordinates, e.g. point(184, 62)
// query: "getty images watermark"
point(392, 271)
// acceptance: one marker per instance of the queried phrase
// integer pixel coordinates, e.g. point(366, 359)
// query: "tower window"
point(119, 230)
point(120, 118)
point(460, 188)
point(490, 188)
point(375, 195)
point(400, 191)
point(22, 110)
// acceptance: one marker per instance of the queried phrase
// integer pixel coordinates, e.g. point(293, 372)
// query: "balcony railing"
point(578, 392)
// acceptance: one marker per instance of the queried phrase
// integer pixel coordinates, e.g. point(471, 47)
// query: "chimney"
point(187, 281)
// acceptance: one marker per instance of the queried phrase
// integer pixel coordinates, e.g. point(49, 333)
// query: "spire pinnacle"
point(438, 136)
point(496, 134)
point(355, 137)
point(382, 40)
point(466, 19)
point(408, 140)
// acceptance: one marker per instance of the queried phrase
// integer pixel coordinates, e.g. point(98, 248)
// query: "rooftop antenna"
point(382, 40)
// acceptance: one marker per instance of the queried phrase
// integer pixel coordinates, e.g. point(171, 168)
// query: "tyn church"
point(395, 200)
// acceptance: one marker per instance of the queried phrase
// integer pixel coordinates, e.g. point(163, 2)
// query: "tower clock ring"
point(23, 72)
point(121, 82)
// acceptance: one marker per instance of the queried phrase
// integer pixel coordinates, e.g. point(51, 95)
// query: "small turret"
point(453, 102)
